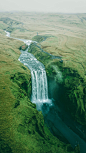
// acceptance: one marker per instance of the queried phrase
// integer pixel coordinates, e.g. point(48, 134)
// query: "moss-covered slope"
point(73, 84)
point(22, 127)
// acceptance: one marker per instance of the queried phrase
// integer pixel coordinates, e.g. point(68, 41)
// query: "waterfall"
point(39, 86)
point(38, 74)
point(39, 79)
point(40, 97)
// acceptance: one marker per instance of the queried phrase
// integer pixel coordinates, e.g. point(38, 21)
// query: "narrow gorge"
point(40, 98)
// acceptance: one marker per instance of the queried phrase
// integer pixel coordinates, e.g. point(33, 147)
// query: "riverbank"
point(74, 140)
point(20, 123)
point(41, 56)
point(68, 41)
point(69, 81)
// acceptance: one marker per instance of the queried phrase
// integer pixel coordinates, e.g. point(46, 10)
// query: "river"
point(40, 97)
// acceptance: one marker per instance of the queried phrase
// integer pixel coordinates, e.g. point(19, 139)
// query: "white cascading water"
point(40, 95)
point(38, 73)
point(39, 86)
point(39, 79)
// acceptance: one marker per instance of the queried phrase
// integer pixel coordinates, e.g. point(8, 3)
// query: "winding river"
point(40, 97)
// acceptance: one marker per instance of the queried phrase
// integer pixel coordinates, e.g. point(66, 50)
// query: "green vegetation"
point(73, 97)
point(38, 38)
point(41, 56)
point(22, 127)
point(23, 47)
point(9, 24)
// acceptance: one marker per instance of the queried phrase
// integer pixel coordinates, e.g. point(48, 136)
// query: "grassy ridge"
point(21, 125)
point(73, 83)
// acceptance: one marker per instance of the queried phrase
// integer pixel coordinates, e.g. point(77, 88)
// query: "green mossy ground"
point(22, 127)
point(73, 85)
point(23, 47)
point(41, 56)
point(17, 132)
point(38, 38)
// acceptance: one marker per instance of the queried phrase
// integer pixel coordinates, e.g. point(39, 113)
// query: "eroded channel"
point(40, 97)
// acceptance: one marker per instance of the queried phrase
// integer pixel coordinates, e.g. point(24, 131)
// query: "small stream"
point(40, 97)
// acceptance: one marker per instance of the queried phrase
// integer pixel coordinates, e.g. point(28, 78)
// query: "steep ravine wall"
point(69, 85)
point(22, 127)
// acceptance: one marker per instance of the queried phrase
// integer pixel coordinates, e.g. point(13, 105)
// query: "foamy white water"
point(38, 75)
point(39, 79)
point(40, 95)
